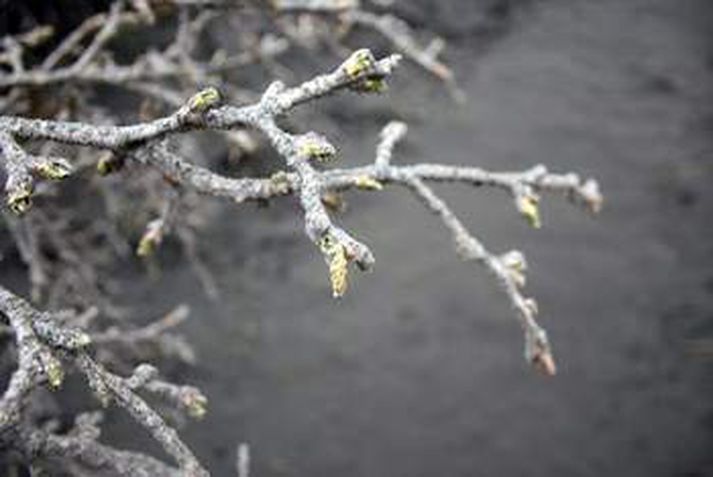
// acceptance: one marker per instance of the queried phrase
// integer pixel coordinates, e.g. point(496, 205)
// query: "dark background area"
point(418, 371)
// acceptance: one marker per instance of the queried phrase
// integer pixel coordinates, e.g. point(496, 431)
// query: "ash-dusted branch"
point(360, 72)
point(146, 143)
point(509, 268)
point(157, 334)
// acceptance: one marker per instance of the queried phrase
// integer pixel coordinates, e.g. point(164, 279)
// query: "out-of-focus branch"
point(41, 341)
point(88, 454)
point(149, 67)
point(394, 29)
point(319, 6)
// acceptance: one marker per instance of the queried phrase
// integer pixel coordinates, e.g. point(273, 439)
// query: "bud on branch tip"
point(336, 256)
point(527, 205)
point(360, 68)
point(54, 169)
point(19, 197)
point(204, 100)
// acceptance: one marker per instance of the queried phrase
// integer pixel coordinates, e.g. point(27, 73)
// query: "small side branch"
point(525, 187)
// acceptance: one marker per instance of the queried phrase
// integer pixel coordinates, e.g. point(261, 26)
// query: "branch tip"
point(204, 100)
point(19, 195)
point(335, 254)
point(592, 196)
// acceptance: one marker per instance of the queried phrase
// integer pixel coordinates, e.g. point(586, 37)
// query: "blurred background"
point(418, 370)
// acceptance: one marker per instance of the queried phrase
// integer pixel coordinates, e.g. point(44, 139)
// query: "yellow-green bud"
point(359, 62)
point(336, 255)
point(19, 198)
point(196, 405)
point(54, 169)
point(54, 372)
point(315, 147)
point(147, 246)
point(151, 239)
point(109, 163)
point(204, 100)
point(280, 182)
point(368, 183)
point(373, 84)
point(527, 205)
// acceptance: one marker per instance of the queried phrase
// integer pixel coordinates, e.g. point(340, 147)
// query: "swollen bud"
point(358, 67)
point(527, 205)
point(54, 372)
point(368, 183)
point(336, 256)
point(204, 100)
point(358, 63)
point(151, 239)
point(314, 146)
point(19, 195)
point(54, 168)
point(195, 403)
